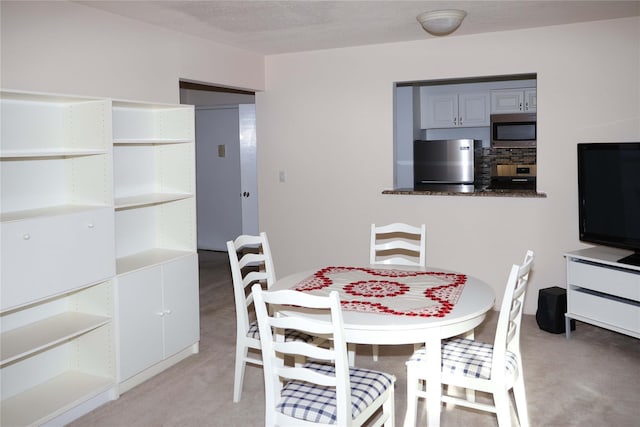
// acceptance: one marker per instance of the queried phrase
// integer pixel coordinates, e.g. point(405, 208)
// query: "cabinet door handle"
point(90, 225)
point(521, 106)
point(160, 313)
point(454, 120)
point(167, 312)
point(460, 121)
point(26, 236)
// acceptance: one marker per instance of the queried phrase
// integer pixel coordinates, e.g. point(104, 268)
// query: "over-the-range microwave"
point(513, 130)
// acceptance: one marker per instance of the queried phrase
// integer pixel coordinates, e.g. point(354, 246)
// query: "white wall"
point(63, 47)
point(326, 119)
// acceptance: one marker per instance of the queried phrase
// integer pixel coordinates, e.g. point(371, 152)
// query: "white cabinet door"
point(181, 304)
point(439, 111)
point(514, 100)
point(531, 100)
point(139, 320)
point(47, 256)
point(473, 109)
point(158, 313)
point(454, 109)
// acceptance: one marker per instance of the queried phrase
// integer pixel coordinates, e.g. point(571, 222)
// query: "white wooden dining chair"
point(251, 263)
point(494, 369)
point(325, 390)
point(399, 244)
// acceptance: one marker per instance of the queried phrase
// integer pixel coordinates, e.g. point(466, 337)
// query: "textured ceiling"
point(272, 27)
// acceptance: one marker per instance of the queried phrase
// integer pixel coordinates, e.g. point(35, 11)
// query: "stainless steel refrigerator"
point(444, 164)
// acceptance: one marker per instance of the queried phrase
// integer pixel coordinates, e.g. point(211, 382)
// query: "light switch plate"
point(221, 150)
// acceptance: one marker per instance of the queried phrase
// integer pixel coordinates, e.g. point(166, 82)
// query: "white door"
point(248, 166)
point(225, 179)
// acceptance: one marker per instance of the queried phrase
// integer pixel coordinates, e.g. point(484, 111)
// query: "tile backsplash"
point(485, 158)
point(512, 156)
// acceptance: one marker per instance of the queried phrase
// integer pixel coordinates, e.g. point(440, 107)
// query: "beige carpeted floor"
point(593, 379)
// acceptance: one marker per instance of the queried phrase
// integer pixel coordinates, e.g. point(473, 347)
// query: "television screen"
point(609, 195)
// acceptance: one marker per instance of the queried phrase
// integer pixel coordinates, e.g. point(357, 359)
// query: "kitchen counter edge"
point(476, 193)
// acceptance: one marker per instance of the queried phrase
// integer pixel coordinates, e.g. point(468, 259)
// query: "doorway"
point(226, 184)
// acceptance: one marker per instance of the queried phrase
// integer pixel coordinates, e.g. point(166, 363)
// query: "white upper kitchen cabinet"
point(514, 101)
point(440, 107)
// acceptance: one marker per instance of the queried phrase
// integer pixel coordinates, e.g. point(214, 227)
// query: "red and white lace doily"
point(388, 291)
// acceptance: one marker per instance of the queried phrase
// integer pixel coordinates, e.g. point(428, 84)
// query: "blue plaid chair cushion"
point(467, 357)
point(253, 332)
point(317, 404)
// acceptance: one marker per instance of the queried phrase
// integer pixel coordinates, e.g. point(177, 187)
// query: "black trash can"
point(552, 305)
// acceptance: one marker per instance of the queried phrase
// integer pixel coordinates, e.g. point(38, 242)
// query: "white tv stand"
point(602, 291)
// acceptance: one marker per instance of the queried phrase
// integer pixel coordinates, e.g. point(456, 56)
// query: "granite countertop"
point(479, 192)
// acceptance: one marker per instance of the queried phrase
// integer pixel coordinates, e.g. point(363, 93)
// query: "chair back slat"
point(253, 277)
point(252, 260)
point(304, 349)
point(398, 243)
point(511, 333)
point(314, 327)
point(302, 374)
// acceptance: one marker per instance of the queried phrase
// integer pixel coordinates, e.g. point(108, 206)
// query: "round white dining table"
point(476, 299)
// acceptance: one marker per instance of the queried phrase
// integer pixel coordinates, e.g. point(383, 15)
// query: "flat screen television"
point(609, 196)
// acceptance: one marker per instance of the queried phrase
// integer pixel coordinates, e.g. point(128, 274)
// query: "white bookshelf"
point(55, 152)
point(38, 336)
point(155, 229)
point(92, 190)
point(57, 354)
point(54, 397)
point(154, 182)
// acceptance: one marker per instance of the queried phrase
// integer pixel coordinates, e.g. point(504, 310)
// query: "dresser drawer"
point(610, 310)
point(42, 257)
point(610, 281)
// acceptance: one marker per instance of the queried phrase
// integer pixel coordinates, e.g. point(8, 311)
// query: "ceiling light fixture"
point(441, 22)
